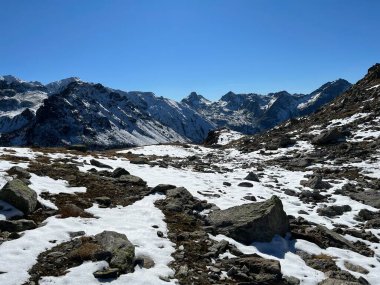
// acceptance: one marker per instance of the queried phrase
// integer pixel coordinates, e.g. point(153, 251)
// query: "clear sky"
point(173, 47)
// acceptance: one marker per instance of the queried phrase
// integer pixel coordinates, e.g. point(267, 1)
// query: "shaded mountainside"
point(71, 111)
point(75, 112)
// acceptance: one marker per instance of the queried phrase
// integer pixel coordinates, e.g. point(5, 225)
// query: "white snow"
point(136, 220)
point(226, 136)
point(348, 120)
point(373, 87)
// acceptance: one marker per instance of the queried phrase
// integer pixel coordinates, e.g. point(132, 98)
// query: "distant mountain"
point(71, 111)
point(74, 112)
point(253, 113)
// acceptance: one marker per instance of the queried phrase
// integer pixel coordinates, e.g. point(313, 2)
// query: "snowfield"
point(136, 220)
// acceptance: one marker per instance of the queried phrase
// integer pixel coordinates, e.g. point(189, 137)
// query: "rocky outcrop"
point(110, 246)
point(252, 177)
point(335, 135)
point(253, 268)
point(315, 182)
point(251, 222)
point(324, 238)
point(121, 249)
point(17, 225)
point(18, 194)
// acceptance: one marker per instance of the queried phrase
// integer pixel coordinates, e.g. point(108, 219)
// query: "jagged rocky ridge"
point(254, 113)
point(71, 112)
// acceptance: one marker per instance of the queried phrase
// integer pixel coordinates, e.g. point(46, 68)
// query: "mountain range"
point(71, 111)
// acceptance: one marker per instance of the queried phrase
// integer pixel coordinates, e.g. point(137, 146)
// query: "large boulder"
point(99, 164)
point(121, 249)
point(252, 177)
point(19, 195)
point(332, 136)
point(20, 172)
point(177, 198)
point(253, 269)
point(17, 225)
point(315, 182)
point(251, 222)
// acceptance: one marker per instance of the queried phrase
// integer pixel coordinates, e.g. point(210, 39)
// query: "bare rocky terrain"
point(298, 204)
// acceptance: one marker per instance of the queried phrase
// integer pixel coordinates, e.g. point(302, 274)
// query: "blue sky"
point(173, 47)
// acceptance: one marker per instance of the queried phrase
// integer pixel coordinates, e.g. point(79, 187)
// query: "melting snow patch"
point(135, 221)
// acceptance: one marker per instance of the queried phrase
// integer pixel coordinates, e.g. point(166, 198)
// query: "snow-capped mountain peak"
point(57, 86)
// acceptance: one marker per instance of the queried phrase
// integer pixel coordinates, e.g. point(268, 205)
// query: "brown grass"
point(323, 256)
point(85, 252)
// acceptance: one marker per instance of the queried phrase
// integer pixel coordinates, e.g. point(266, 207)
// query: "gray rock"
point(373, 224)
point(290, 192)
point(109, 273)
point(144, 261)
point(103, 201)
point(355, 268)
point(19, 172)
point(17, 225)
point(162, 188)
point(331, 136)
point(99, 164)
point(332, 211)
point(122, 250)
point(254, 268)
point(132, 179)
point(366, 215)
point(251, 222)
point(183, 271)
point(119, 172)
point(77, 234)
point(245, 184)
point(250, 198)
point(292, 280)
point(315, 182)
point(177, 199)
point(252, 177)
point(19, 195)
point(311, 196)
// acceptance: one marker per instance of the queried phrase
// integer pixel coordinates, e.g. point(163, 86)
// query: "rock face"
point(122, 250)
point(18, 194)
point(251, 222)
point(315, 182)
point(332, 136)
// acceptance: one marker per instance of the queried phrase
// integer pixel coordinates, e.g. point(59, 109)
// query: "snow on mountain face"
point(180, 117)
point(60, 85)
point(71, 111)
point(91, 114)
point(253, 113)
point(323, 95)
point(19, 100)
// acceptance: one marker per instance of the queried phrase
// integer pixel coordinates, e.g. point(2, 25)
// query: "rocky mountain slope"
point(253, 113)
point(71, 112)
point(75, 112)
point(298, 204)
